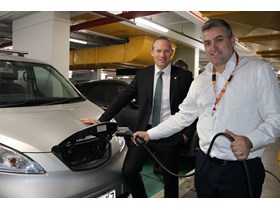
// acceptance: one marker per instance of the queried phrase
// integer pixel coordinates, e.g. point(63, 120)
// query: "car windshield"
point(33, 84)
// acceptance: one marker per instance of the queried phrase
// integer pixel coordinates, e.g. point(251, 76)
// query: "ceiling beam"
point(271, 56)
point(268, 52)
point(260, 38)
point(216, 13)
point(108, 14)
point(108, 20)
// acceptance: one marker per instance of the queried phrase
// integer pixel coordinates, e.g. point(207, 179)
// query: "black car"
point(102, 93)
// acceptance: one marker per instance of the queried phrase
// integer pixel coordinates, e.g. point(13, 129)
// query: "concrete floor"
point(271, 187)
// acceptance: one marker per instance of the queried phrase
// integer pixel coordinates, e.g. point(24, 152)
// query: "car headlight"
point(12, 161)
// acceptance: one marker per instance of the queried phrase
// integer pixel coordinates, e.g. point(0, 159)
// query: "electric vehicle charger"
point(126, 132)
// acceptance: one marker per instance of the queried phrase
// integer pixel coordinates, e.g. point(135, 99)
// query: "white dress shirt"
point(249, 107)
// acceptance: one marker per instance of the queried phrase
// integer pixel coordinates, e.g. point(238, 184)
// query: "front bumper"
point(60, 181)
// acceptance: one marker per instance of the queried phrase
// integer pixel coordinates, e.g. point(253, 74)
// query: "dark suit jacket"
point(141, 89)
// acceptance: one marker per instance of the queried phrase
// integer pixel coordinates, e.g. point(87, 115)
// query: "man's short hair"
point(181, 63)
point(217, 22)
point(162, 38)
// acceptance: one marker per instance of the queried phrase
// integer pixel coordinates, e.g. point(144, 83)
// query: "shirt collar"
point(229, 66)
point(166, 70)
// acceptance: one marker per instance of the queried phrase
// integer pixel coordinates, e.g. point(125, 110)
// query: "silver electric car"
point(45, 151)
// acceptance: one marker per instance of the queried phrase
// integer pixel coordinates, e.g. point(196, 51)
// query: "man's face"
point(162, 53)
point(218, 46)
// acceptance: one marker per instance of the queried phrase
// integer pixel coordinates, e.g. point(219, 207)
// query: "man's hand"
point(241, 146)
point(142, 134)
point(89, 121)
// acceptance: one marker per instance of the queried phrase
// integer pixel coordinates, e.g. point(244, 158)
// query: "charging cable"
point(125, 132)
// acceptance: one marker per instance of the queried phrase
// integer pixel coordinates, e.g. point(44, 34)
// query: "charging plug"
point(139, 140)
point(127, 133)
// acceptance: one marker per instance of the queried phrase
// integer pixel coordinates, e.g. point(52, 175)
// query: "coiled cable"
point(140, 141)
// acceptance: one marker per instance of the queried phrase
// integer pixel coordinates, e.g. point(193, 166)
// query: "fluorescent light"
point(78, 41)
point(150, 24)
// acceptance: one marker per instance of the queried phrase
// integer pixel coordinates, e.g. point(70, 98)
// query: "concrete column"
point(196, 62)
point(45, 36)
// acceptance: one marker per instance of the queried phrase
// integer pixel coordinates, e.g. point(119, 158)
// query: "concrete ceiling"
point(259, 31)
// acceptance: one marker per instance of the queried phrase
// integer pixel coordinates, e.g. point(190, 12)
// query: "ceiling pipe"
point(108, 20)
point(98, 36)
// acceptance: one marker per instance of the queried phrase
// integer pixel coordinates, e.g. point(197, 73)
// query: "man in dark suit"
point(175, 86)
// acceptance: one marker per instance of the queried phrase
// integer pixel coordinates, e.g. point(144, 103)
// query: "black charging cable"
point(140, 141)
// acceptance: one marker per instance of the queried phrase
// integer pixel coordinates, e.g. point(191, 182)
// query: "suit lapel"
point(173, 85)
point(149, 84)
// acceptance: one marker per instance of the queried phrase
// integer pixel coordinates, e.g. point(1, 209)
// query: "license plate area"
point(111, 194)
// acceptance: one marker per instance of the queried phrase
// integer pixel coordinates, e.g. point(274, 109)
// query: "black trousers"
point(167, 151)
point(227, 179)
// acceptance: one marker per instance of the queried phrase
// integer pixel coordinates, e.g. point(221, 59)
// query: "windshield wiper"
point(66, 100)
point(35, 102)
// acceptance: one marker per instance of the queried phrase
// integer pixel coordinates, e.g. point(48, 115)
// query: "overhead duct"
point(135, 53)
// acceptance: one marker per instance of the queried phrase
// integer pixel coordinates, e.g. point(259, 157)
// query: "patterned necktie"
point(157, 101)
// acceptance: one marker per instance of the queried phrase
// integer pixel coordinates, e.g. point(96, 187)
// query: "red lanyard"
point(225, 86)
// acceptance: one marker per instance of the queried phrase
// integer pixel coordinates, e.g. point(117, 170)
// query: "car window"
point(25, 81)
point(105, 92)
point(50, 83)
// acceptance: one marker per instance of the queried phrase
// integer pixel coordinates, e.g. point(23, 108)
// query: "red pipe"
point(108, 20)
point(199, 17)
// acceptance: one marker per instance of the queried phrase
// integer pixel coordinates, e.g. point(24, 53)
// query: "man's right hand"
point(142, 134)
point(90, 121)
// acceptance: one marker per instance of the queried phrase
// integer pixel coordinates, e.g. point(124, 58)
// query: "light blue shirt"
point(249, 107)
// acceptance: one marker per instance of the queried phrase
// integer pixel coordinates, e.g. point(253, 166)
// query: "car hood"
point(38, 129)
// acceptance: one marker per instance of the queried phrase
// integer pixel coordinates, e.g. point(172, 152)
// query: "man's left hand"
point(241, 146)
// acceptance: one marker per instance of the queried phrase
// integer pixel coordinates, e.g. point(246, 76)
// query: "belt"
point(218, 161)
